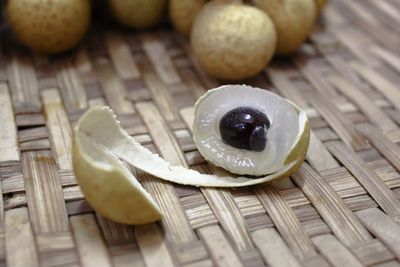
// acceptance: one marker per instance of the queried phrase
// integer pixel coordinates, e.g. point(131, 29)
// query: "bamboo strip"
point(388, 264)
point(153, 246)
point(57, 249)
point(8, 138)
point(82, 61)
point(78, 207)
point(318, 156)
point(285, 221)
point(121, 56)
point(387, 148)
point(381, 34)
point(337, 254)
point(230, 217)
point(311, 71)
point(361, 12)
point(388, 9)
point(191, 252)
point(273, 248)
point(126, 255)
point(161, 97)
point(156, 52)
point(160, 133)
point(202, 263)
point(372, 252)
point(192, 82)
point(286, 87)
point(219, 247)
point(1, 210)
point(44, 195)
point(383, 85)
point(368, 178)
point(32, 134)
point(57, 241)
point(72, 193)
point(72, 90)
point(386, 55)
point(35, 119)
point(15, 201)
point(114, 90)
point(41, 144)
point(96, 102)
point(198, 211)
point(59, 128)
point(342, 126)
point(174, 219)
point(377, 116)
point(341, 66)
point(383, 227)
point(316, 261)
point(115, 233)
point(89, 244)
point(330, 206)
point(356, 42)
point(315, 227)
point(18, 231)
point(23, 84)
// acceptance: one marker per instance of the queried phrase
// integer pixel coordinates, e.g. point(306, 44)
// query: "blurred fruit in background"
point(183, 12)
point(138, 14)
point(47, 26)
point(293, 19)
point(320, 5)
point(232, 41)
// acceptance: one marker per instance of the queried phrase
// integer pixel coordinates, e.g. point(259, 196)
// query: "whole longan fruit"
point(232, 41)
point(139, 14)
point(183, 13)
point(49, 26)
point(293, 19)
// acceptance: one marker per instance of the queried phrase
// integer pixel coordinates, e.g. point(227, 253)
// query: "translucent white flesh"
point(281, 135)
point(99, 124)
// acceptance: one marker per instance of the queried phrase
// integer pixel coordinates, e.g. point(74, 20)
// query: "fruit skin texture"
point(232, 41)
point(293, 19)
point(109, 189)
point(320, 4)
point(49, 26)
point(139, 14)
point(183, 13)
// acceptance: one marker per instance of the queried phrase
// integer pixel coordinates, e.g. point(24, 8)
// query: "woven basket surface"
point(342, 208)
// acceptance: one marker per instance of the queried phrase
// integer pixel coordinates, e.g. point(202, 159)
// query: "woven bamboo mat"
point(341, 209)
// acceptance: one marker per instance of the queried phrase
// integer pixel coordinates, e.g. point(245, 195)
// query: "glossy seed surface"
point(245, 128)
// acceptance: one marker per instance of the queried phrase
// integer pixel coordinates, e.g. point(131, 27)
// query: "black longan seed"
point(245, 128)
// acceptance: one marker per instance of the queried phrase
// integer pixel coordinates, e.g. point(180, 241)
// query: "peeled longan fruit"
point(293, 19)
point(183, 13)
point(139, 14)
point(232, 41)
point(49, 26)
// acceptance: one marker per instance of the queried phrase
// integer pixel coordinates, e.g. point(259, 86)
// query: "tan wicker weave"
point(341, 209)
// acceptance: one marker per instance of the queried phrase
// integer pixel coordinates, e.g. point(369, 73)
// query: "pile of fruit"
point(231, 39)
